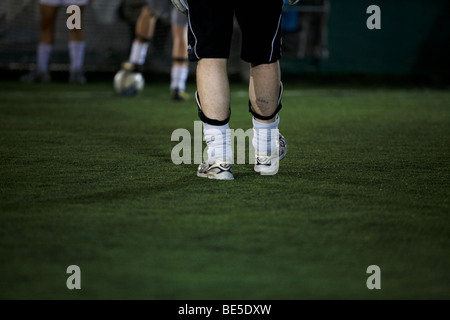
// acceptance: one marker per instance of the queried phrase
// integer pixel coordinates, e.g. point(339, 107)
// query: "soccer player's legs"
point(48, 12)
point(145, 27)
point(180, 67)
point(210, 31)
point(49, 9)
point(144, 31)
point(77, 48)
point(261, 47)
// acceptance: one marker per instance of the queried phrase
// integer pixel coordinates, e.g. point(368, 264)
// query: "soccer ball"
point(128, 83)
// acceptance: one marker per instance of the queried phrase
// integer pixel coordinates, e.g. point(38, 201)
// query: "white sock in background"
point(178, 76)
point(44, 51)
point(76, 50)
point(218, 140)
point(138, 53)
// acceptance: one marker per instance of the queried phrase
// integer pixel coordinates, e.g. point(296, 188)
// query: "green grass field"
point(86, 179)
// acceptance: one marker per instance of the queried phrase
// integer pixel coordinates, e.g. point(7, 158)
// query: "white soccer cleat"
point(219, 171)
point(268, 165)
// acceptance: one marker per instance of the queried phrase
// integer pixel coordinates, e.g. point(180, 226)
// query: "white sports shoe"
point(219, 171)
point(268, 165)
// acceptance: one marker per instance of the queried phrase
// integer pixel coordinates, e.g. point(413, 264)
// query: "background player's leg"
point(180, 67)
point(77, 47)
point(145, 28)
point(45, 46)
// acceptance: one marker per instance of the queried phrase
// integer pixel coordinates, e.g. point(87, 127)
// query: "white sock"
point(265, 137)
point(178, 76)
point(44, 51)
point(138, 52)
point(76, 50)
point(218, 140)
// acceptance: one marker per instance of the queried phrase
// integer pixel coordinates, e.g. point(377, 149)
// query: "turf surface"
point(86, 179)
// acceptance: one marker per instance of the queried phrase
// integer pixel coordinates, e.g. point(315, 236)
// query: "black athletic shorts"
point(211, 27)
